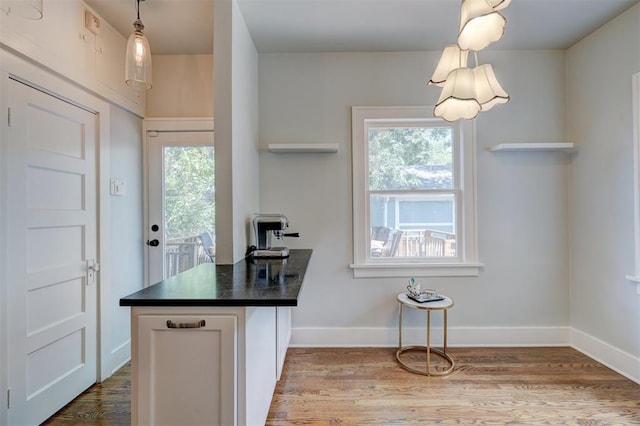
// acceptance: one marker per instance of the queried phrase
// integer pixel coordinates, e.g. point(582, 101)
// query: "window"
point(413, 194)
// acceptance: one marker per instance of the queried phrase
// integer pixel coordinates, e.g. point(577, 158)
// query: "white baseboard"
point(457, 336)
point(610, 356)
point(120, 356)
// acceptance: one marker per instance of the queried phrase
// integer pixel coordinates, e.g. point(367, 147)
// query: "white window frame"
point(635, 277)
point(466, 262)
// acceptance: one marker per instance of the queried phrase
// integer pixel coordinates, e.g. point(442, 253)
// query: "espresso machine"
point(265, 226)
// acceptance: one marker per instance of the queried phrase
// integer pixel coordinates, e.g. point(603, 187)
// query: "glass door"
point(181, 198)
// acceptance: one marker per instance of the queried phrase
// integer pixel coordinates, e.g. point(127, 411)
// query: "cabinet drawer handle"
point(195, 324)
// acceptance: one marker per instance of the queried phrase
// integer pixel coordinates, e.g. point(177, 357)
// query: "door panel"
point(52, 235)
point(181, 201)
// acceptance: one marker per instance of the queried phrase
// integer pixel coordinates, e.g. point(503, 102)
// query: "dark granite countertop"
point(260, 282)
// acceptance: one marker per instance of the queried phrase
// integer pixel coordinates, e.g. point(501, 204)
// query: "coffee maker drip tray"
point(273, 252)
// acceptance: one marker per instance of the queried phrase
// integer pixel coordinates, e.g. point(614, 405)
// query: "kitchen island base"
point(206, 365)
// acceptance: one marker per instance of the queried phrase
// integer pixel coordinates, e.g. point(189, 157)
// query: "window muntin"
point(414, 193)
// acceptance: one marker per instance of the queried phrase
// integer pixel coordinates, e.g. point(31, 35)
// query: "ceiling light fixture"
point(138, 56)
point(489, 93)
point(499, 4)
point(468, 91)
point(480, 24)
point(458, 97)
point(452, 58)
point(28, 9)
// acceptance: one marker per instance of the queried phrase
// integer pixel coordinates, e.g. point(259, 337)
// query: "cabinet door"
point(283, 336)
point(185, 374)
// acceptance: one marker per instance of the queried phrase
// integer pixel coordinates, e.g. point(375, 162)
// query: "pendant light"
point(452, 58)
point(138, 57)
point(499, 4)
point(489, 93)
point(480, 24)
point(458, 98)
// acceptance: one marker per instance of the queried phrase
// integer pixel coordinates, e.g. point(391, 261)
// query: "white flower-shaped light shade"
point(499, 4)
point(138, 59)
point(480, 25)
point(458, 98)
point(452, 58)
point(489, 93)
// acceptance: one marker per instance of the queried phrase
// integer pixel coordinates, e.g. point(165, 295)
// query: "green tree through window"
point(397, 154)
point(189, 190)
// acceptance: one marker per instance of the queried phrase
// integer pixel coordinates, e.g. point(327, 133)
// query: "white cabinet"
point(185, 370)
point(206, 365)
point(283, 336)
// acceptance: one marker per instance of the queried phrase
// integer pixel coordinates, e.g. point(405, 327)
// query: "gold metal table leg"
point(428, 350)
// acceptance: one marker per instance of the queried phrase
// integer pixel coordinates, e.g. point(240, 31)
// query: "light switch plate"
point(118, 187)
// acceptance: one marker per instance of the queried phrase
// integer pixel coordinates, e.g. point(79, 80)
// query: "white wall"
point(605, 309)
point(182, 86)
point(125, 238)
point(245, 133)
point(236, 129)
point(521, 296)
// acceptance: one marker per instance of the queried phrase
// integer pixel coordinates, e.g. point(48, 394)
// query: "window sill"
point(416, 270)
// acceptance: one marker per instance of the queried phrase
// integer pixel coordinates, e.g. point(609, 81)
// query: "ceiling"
point(186, 26)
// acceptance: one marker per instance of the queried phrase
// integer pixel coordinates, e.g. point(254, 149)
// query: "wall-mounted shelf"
point(303, 147)
point(533, 146)
point(635, 279)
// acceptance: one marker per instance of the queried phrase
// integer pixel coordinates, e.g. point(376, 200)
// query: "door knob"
point(153, 243)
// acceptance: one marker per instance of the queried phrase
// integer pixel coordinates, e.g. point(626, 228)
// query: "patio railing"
point(183, 253)
point(425, 243)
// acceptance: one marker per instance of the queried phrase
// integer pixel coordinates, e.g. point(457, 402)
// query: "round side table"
point(440, 305)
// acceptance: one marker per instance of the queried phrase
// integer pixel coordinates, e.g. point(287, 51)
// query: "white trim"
point(303, 147)
point(4, 350)
point(169, 124)
point(457, 336)
point(181, 124)
point(616, 359)
point(636, 176)
point(466, 264)
point(120, 356)
point(416, 270)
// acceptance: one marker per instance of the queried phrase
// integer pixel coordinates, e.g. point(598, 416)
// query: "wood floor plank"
point(366, 386)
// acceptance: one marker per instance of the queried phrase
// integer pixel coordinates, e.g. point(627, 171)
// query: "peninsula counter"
point(208, 344)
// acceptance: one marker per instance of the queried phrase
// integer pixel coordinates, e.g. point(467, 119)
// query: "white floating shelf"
point(533, 146)
point(303, 147)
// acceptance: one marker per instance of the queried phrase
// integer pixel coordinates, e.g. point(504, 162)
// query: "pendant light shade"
point(138, 57)
point(480, 24)
point(489, 93)
point(458, 98)
point(499, 4)
point(452, 58)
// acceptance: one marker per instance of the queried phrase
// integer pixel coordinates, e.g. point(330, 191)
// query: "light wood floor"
point(366, 386)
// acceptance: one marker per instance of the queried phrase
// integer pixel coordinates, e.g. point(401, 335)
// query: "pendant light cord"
point(138, 8)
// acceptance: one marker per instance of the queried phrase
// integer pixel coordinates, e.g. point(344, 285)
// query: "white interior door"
point(181, 198)
point(51, 243)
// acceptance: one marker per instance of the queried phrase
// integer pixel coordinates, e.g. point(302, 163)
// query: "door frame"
point(170, 124)
point(13, 66)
